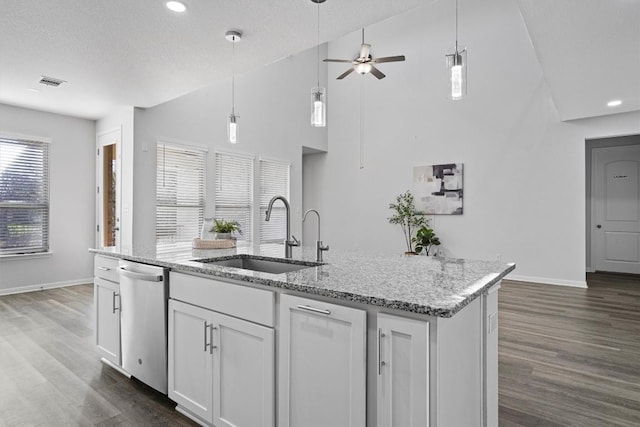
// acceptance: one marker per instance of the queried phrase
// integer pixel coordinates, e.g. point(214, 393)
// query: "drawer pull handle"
point(104, 268)
point(315, 310)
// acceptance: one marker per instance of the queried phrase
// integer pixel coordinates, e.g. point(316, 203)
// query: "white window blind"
point(180, 193)
point(24, 196)
point(274, 181)
point(234, 191)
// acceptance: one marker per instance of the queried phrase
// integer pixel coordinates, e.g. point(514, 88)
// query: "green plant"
point(407, 217)
point(222, 226)
point(425, 239)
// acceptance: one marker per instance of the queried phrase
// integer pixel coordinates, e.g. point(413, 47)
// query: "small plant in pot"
point(406, 215)
point(224, 229)
point(425, 240)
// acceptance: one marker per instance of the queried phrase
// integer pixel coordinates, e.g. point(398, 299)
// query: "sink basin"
point(264, 265)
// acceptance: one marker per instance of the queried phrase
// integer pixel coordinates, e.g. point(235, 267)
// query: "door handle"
point(211, 346)
point(380, 361)
point(113, 301)
point(206, 325)
point(599, 226)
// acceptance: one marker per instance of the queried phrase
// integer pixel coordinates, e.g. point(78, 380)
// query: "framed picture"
point(438, 189)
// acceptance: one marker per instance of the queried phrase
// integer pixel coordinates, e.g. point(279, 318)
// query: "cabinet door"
point(322, 364)
point(191, 359)
point(107, 305)
point(243, 372)
point(403, 372)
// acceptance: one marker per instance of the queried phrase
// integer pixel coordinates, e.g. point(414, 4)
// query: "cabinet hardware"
point(206, 344)
point(315, 310)
point(104, 268)
point(380, 361)
point(113, 302)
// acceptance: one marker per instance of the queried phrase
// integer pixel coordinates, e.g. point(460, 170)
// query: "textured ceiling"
point(125, 52)
point(589, 51)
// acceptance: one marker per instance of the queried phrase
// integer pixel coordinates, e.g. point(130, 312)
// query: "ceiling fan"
point(364, 63)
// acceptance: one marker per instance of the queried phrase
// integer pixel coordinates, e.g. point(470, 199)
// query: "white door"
point(616, 209)
point(108, 188)
point(107, 306)
point(191, 359)
point(322, 364)
point(244, 370)
point(403, 372)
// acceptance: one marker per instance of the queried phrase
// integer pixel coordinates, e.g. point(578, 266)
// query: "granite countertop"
point(420, 284)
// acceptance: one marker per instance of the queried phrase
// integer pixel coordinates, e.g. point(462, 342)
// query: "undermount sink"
point(264, 265)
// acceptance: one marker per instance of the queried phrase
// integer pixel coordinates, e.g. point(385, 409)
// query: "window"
point(24, 196)
point(274, 181)
point(180, 178)
point(234, 190)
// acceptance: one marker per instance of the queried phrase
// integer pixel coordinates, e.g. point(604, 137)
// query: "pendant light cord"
point(233, 77)
point(318, 47)
point(456, 26)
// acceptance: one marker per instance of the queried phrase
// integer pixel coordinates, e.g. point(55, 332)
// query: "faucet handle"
point(321, 247)
point(295, 241)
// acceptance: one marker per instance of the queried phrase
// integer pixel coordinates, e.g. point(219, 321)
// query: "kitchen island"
point(363, 339)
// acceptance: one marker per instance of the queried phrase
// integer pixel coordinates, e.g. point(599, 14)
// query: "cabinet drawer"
point(106, 268)
point(255, 305)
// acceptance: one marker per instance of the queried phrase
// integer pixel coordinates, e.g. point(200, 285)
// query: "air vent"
point(50, 81)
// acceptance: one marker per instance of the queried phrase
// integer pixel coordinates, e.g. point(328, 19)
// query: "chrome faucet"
point(319, 247)
point(288, 244)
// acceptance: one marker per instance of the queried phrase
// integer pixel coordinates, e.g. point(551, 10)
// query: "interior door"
point(108, 183)
point(616, 209)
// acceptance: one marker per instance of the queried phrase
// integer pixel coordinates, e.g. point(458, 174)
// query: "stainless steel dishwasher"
point(143, 320)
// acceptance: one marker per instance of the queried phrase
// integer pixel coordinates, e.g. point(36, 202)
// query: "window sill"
point(15, 257)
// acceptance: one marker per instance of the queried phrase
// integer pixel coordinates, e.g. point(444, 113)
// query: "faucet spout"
point(288, 243)
point(319, 246)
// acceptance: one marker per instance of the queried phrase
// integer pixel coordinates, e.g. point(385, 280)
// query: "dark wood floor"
point(50, 374)
point(568, 357)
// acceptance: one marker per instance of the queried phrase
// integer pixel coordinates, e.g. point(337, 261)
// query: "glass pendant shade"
point(318, 107)
point(363, 68)
point(456, 62)
point(232, 128)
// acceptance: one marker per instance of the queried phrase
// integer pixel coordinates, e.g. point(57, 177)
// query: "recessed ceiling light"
point(614, 103)
point(176, 6)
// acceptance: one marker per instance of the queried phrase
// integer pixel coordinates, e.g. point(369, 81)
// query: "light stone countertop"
point(420, 284)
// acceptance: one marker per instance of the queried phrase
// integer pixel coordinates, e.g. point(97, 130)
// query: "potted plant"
point(224, 229)
point(425, 239)
point(407, 217)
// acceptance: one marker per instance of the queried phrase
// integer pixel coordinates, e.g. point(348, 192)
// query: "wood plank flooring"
point(568, 357)
point(50, 374)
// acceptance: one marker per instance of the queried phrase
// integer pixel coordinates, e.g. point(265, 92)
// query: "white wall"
point(123, 120)
point(72, 201)
point(273, 103)
point(524, 169)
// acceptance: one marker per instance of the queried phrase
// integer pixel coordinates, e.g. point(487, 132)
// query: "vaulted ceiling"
point(123, 52)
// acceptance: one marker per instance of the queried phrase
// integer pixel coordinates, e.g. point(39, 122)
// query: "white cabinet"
point(106, 298)
point(322, 364)
point(221, 369)
point(403, 372)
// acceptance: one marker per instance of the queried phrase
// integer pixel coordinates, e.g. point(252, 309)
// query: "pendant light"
point(318, 94)
point(232, 122)
point(456, 61)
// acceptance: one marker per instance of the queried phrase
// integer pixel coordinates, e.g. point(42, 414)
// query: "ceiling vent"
point(50, 81)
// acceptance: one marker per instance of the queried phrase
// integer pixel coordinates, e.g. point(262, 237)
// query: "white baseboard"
point(547, 281)
point(41, 287)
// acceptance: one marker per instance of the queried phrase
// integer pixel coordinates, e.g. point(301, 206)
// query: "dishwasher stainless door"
point(143, 320)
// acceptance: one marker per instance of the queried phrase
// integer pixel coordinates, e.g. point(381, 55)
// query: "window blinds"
point(234, 190)
point(274, 181)
point(180, 192)
point(24, 196)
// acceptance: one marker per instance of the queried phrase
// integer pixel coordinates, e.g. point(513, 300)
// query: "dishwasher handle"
point(141, 276)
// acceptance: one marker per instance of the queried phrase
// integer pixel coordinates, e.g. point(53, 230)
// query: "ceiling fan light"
point(363, 68)
point(318, 107)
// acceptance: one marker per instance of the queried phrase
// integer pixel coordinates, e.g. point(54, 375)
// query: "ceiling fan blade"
point(345, 74)
point(377, 73)
point(365, 49)
point(388, 59)
point(347, 61)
